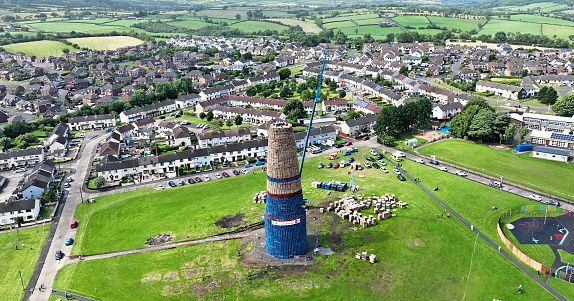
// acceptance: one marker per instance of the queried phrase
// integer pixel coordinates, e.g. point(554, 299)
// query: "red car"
point(366, 138)
point(197, 179)
point(74, 224)
point(348, 143)
point(336, 165)
point(225, 175)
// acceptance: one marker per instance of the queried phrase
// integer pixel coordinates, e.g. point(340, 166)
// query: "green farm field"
point(563, 32)
point(371, 29)
point(414, 21)
point(39, 48)
point(191, 24)
point(493, 26)
point(308, 26)
point(522, 169)
point(368, 21)
point(338, 25)
point(348, 18)
point(456, 23)
point(540, 19)
point(541, 6)
point(74, 26)
point(252, 26)
point(403, 245)
point(23, 259)
point(104, 43)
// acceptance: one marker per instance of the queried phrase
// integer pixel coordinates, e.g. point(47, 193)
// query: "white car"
point(535, 197)
point(367, 164)
point(384, 170)
point(160, 187)
point(69, 179)
point(66, 185)
point(342, 164)
point(373, 152)
point(443, 168)
point(207, 178)
point(383, 163)
point(400, 154)
point(218, 176)
point(244, 171)
point(397, 171)
point(421, 161)
point(461, 173)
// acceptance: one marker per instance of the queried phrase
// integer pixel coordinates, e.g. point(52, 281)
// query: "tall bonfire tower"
point(285, 221)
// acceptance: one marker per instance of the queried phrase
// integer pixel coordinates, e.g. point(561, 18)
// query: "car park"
point(59, 255)
point(69, 241)
point(375, 165)
point(421, 161)
point(225, 175)
point(181, 183)
point(235, 172)
point(74, 224)
point(434, 162)
point(553, 202)
point(320, 165)
point(218, 176)
point(248, 165)
point(160, 187)
point(383, 163)
point(197, 179)
point(258, 163)
point(373, 152)
point(461, 173)
point(171, 184)
point(535, 197)
point(397, 171)
point(329, 165)
point(191, 181)
point(443, 168)
point(383, 170)
point(367, 164)
point(207, 178)
point(400, 177)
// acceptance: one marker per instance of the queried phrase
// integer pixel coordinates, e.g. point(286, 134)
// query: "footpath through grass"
point(419, 256)
point(548, 176)
point(24, 259)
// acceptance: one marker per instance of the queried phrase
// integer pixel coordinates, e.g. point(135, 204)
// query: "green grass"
point(522, 169)
point(414, 21)
point(566, 257)
point(562, 32)
point(252, 26)
point(534, 102)
point(204, 121)
point(540, 19)
point(369, 21)
point(12, 261)
point(429, 31)
point(374, 30)
point(39, 133)
point(493, 26)
point(541, 6)
point(456, 23)
point(348, 18)
point(39, 48)
point(104, 43)
point(297, 71)
point(567, 289)
point(339, 25)
point(307, 26)
point(191, 24)
point(125, 23)
point(75, 26)
point(404, 245)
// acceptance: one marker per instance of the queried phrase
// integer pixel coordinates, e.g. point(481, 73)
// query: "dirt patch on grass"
point(151, 277)
point(173, 289)
point(499, 147)
point(230, 221)
point(158, 239)
point(192, 273)
point(171, 276)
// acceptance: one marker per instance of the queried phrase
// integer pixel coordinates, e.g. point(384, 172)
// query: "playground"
point(538, 230)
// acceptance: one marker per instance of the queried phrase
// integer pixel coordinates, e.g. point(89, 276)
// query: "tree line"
point(392, 121)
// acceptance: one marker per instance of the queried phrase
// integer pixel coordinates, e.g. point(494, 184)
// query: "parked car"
point(248, 165)
point(400, 177)
point(443, 168)
point(207, 178)
point(197, 179)
point(346, 153)
point(74, 224)
point(397, 171)
point(329, 165)
point(400, 154)
point(160, 187)
point(69, 241)
point(59, 255)
point(375, 165)
point(66, 185)
point(553, 202)
point(218, 176)
point(365, 138)
point(339, 145)
point(461, 173)
point(535, 197)
point(235, 172)
point(224, 164)
point(367, 164)
point(383, 163)
point(370, 159)
point(348, 143)
point(378, 157)
point(342, 164)
point(69, 179)
point(171, 184)
point(495, 184)
point(244, 171)
point(435, 162)
point(373, 152)
point(225, 175)
point(421, 161)
point(181, 183)
point(258, 163)
point(190, 181)
point(384, 170)
point(351, 159)
point(320, 165)
point(336, 165)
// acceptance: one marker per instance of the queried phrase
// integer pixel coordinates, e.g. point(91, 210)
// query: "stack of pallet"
point(260, 197)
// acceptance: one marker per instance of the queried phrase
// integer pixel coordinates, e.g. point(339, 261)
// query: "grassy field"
point(522, 169)
point(12, 261)
point(104, 43)
point(493, 26)
point(540, 19)
point(456, 23)
point(308, 26)
point(404, 245)
point(348, 18)
point(374, 30)
point(566, 257)
point(428, 31)
point(338, 25)
point(368, 21)
point(567, 289)
point(191, 24)
point(562, 32)
point(542, 7)
point(75, 26)
point(251, 26)
point(414, 21)
point(39, 48)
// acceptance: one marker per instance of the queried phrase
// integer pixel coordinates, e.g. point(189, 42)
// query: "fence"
point(522, 209)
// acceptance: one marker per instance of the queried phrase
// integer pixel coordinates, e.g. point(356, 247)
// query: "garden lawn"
point(418, 255)
point(566, 257)
point(567, 289)
point(544, 175)
point(24, 259)
point(39, 48)
point(106, 43)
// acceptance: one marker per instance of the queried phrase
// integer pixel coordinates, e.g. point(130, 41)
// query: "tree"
point(238, 120)
point(481, 125)
point(306, 95)
point(209, 116)
point(500, 36)
point(238, 17)
point(294, 110)
point(332, 85)
point(202, 115)
point(5, 143)
point(352, 114)
point(48, 196)
point(99, 182)
point(562, 107)
point(66, 50)
point(229, 123)
point(284, 73)
point(547, 95)
point(216, 124)
point(522, 133)
point(404, 70)
point(342, 94)
point(386, 140)
point(251, 91)
point(508, 135)
point(16, 129)
point(24, 140)
point(524, 73)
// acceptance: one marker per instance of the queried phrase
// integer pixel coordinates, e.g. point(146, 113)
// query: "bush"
point(99, 182)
